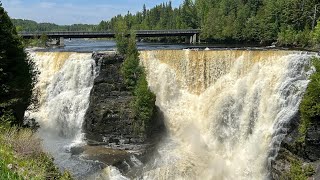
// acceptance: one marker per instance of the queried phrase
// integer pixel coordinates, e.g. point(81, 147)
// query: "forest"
point(289, 22)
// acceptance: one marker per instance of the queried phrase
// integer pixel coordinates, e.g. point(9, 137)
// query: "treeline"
point(32, 26)
point(289, 22)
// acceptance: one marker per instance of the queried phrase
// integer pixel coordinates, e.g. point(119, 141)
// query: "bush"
point(316, 34)
point(298, 171)
point(135, 78)
point(290, 37)
point(310, 104)
point(21, 150)
point(131, 69)
point(17, 73)
point(143, 105)
point(121, 31)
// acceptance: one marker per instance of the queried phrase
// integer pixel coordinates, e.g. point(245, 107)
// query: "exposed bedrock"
point(293, 151)
point(109, 118)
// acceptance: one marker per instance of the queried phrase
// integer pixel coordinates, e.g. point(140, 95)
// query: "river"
point(224, 108)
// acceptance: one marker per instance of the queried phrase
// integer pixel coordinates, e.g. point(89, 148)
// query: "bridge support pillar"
point(61, 42)
point(194, 39)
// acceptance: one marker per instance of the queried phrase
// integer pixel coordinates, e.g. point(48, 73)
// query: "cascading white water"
point(65, 82)
point(63, 87)
point(224, 110)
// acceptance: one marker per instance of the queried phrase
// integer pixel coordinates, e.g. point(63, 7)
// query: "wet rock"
point(105, 155)
point(312, 145)
point(307, 153)
point(109, 115)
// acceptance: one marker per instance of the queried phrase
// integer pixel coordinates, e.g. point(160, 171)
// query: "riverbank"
point(22, 157)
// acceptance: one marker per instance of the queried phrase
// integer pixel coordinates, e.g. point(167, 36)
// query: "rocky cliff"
point(298, 158)
point(109, 118)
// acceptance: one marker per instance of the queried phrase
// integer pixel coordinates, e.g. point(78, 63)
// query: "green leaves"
point(121, 30)
point(143, 103)
point(310, 105)
point(17, 72)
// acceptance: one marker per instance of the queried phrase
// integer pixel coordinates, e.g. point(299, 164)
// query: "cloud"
point(47, 4)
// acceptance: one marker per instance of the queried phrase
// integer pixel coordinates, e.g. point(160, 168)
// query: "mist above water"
point(225, 110)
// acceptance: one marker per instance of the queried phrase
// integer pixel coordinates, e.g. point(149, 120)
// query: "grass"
point(22, 157)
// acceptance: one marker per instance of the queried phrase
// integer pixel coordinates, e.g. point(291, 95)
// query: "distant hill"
point(31, 26)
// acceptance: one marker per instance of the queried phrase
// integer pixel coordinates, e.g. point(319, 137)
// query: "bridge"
point(192, 35)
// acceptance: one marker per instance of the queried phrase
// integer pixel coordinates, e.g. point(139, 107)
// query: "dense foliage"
point(290, 22)
point(21, 155)
point(121, 37)
point(143, 103)
point(310, 105)
point(130, 69)
point(37, 42)
point(31, 26)
point(17, 74)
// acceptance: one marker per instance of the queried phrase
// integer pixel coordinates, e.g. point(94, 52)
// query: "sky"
point(65, 12)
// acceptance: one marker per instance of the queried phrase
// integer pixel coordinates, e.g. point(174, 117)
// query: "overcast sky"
point(75, 11)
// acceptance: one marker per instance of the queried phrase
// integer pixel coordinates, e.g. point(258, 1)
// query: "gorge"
point(226, 112)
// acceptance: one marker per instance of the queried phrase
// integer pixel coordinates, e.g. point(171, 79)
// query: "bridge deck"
point(108, 34)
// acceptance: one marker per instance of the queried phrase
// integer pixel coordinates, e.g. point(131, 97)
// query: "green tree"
point(143, 105)
point(43, 40)
point(16, 71)
point(316, 34)
point(130, 68)
point(310, 104)
point(121, 32)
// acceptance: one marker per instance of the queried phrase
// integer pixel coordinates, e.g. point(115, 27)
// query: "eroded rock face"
point(291, 149)
point(109, 117)
point(313, 141)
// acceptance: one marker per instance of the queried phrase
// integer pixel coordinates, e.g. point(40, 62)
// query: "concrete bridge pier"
point(192, 39)
point(61, 42)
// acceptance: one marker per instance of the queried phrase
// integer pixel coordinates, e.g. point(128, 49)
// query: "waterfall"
point(225, 110)
point(63, 90)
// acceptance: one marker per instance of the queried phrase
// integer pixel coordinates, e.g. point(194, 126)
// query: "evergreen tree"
point(121, 31)
point(16, 72)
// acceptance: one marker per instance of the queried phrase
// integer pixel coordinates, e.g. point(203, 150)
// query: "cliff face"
point(291, 151)
point(109, 117)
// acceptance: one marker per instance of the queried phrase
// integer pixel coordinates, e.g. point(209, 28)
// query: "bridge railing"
point(176, 31)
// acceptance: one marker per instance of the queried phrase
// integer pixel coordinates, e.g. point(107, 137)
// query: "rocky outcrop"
point(293, 151)
point(109, 118)
point(312, 142)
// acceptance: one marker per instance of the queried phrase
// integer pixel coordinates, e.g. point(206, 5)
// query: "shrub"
point(135, 78)
point(143, 105)
point(310, 104)
point(121, 30)
point(298, 171)
point(130, 68)
point(21, 150)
